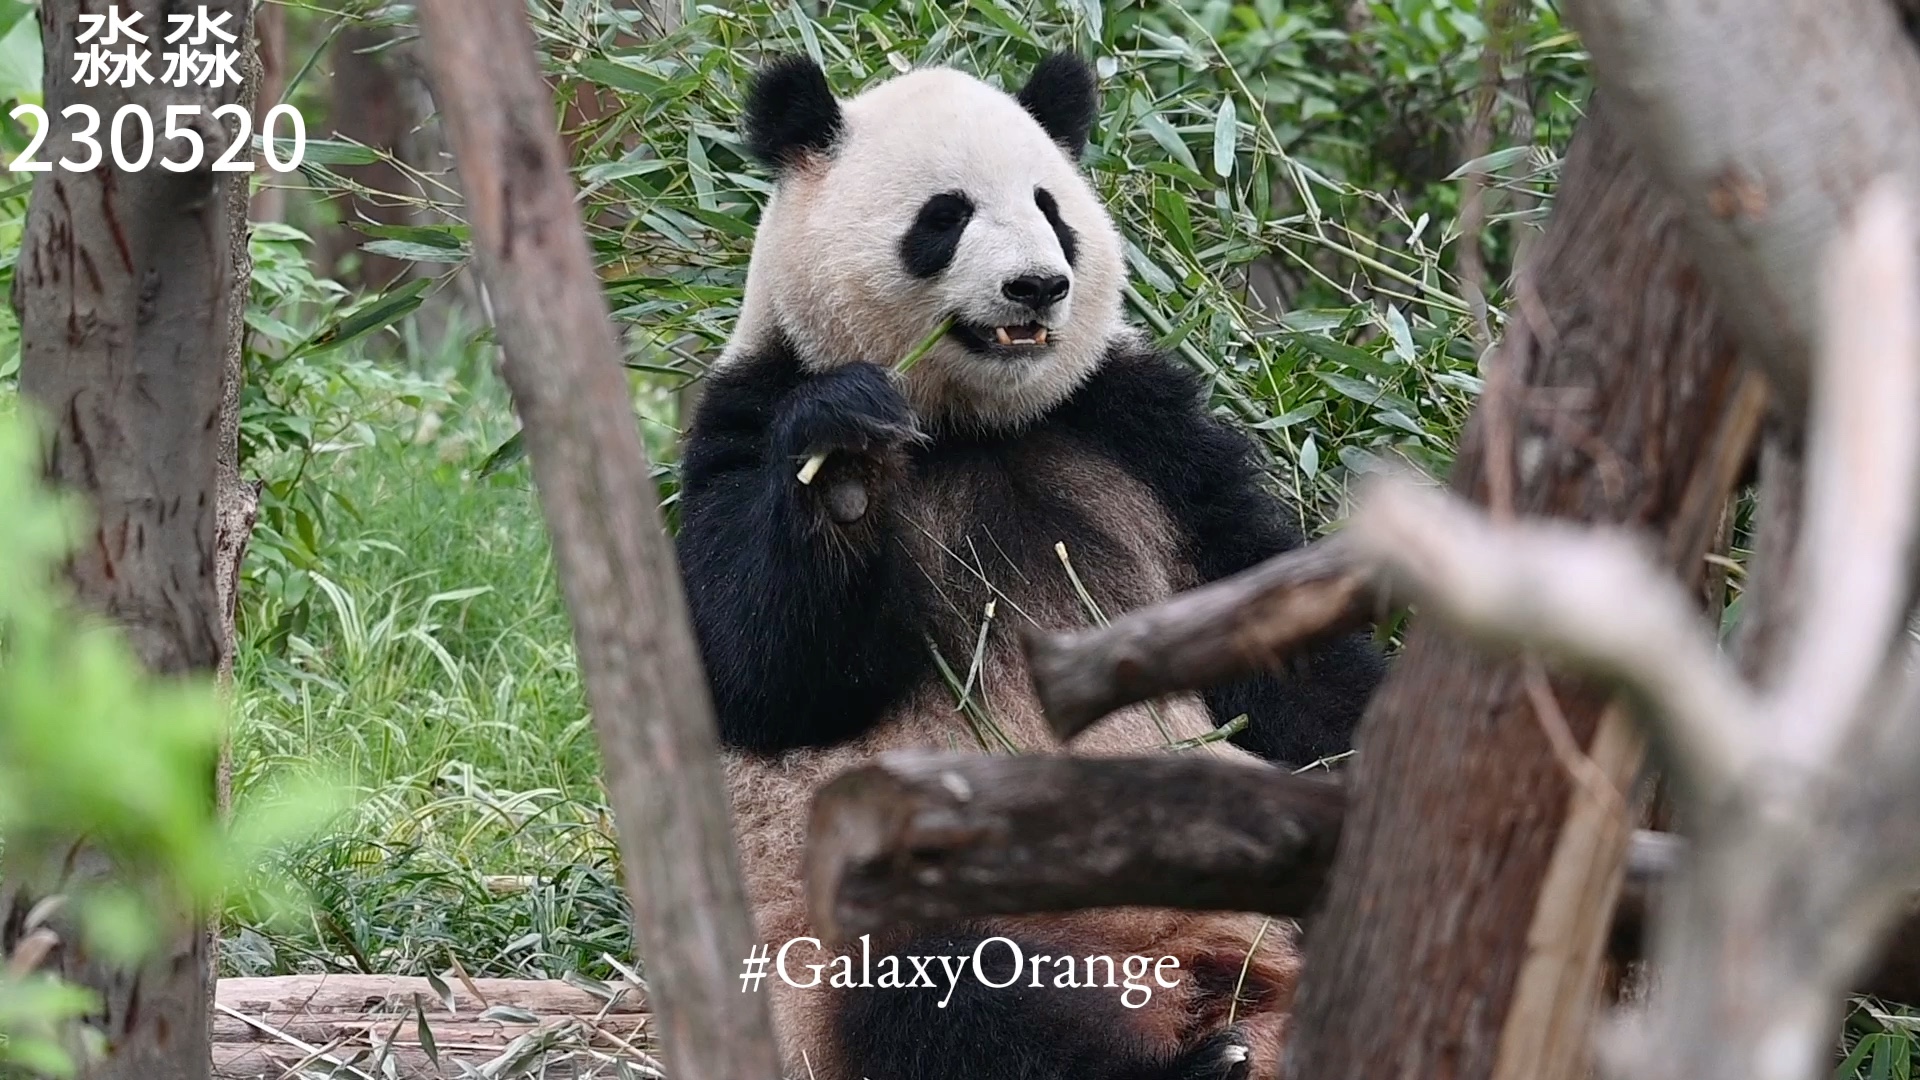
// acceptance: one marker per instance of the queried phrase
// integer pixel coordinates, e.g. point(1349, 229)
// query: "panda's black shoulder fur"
point(810, 634)
point(1148, 413)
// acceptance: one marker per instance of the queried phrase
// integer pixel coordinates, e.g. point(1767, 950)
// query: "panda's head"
point(934, 195)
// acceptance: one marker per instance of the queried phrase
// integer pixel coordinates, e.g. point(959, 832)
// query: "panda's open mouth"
point(978, 337)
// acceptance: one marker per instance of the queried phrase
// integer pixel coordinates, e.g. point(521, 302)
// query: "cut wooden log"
point(294, 994)
point(354, 1026)
point(925, 838)
point(1226, 630)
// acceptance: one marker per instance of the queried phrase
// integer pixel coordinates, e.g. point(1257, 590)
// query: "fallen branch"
point(1226, 630)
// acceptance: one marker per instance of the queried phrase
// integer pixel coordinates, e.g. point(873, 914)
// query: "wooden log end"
point(1074, 690)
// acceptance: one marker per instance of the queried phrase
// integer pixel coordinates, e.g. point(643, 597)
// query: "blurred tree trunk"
point(237, 502)
point(638, 659)
point(1476, 878)
point(1504, 19)
point(122, 290)
point(266, 88)
point(372, 104)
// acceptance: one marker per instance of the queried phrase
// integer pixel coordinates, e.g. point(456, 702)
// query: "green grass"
point(435, 674)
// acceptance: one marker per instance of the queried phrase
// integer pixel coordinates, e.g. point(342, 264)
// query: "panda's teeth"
point(1000, 332)
point(1040, 336)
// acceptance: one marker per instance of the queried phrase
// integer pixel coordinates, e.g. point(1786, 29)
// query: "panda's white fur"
point(1091, 441)
point(818, 274)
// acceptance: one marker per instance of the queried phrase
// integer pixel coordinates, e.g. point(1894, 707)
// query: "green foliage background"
point(1287, 174)
point(1284, 174)
point(400, 623)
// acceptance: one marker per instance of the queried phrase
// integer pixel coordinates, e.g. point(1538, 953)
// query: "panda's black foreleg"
point(1309, 708)
point(801, 596)
point(960, 1029)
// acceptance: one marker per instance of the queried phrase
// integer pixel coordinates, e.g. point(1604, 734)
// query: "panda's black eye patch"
point(1069, 241)
point(930, 244)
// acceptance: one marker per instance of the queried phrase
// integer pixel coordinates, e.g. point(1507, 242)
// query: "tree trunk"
point(237, 502)
point(123, 293)
point(1474, 886)
point(270, 39)
point(1768, 119)
point(637, 654)
point(370, 106)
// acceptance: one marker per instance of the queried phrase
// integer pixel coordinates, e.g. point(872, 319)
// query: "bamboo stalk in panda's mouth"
point(906, 363)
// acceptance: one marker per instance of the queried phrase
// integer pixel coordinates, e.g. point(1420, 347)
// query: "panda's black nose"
point(1037, 291)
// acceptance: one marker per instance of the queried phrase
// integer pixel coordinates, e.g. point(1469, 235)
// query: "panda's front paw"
point(844, 434)
point(1225, 1055)
point(854, 409)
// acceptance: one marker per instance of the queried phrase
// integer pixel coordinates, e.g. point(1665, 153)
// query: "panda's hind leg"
point(1019, 1031)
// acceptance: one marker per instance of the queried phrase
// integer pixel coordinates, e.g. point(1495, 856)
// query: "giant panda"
point(1042, 439)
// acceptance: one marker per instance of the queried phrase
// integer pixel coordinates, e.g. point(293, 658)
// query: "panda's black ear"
point(791, 113)
point(1063, 95)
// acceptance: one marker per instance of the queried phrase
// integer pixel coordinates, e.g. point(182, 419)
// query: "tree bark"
point(1798, 793)
point(1473, 892)
point(123, 291)
point(237, 503)
point(1767, 119)
point(270, 38)
point(638, 658)
point(369, 106)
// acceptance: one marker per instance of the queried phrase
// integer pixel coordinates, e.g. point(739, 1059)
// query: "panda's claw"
point(1224, 1056)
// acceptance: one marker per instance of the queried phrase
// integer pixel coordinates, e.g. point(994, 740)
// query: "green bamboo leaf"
point(1172, 209)
point(1491, 164)
point(621, 77)
point(702, 175)
point(504, 456)
point(1015, 28)
point(1162, 132)
point(1365, 392)
point(332, 152)
point(1226, 132)
point(450, 237)
point(411, 252)
point(389, 309)
point(424, 1032)
point(1402, 337)
point(1343, 354)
